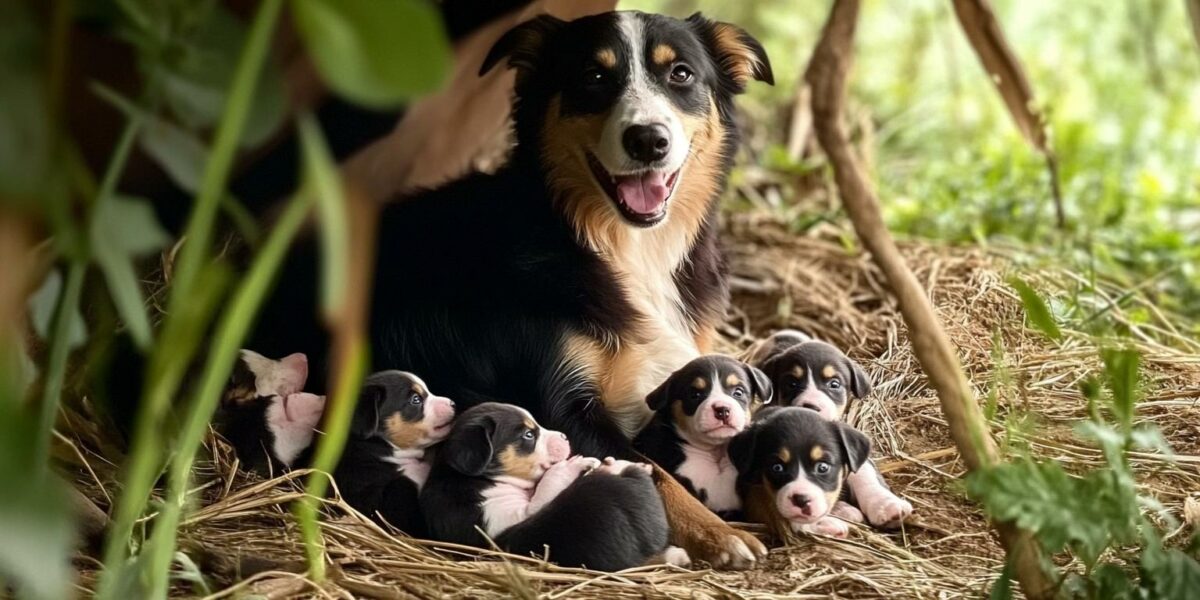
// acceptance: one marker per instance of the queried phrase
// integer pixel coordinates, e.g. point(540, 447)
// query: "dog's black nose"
point(647, 143)
point(722, 413)
point(800, 500)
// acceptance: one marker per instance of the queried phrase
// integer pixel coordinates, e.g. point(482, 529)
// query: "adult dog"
point(584, 272)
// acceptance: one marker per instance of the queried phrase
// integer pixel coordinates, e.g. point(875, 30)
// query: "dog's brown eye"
point(681, 74)
point(822, 468)
point(528, 434)
point(738, 393)
point(834, 384)
point(415, 399)
point(593, 76)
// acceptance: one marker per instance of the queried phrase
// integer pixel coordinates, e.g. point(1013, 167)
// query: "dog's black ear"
point(522, 44)
point(760, 385)
point(741, 450)
point(855, 445)
point(468, 448)
point(660, 396)
point(365, 423)
point(860, 384)
point(739, 56)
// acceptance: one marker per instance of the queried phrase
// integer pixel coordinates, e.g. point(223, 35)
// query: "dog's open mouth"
point(641, 198)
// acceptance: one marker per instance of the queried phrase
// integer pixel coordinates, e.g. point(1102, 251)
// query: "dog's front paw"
point(581, 465)
point(724, 547)
point(613, 466)
point(672, 555)
point(830, 526)
point(846, 512)
point(884, 509)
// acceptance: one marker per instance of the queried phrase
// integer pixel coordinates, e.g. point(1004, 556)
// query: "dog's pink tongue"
point(644, 194)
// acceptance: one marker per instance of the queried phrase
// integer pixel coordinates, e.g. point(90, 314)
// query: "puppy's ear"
point(860, 384)
point(522, 45)
point(468, 448)
point(660, 396)
point(739, 56)
point(365, 423)
point(760, 385)
point(741, 450)
point(855, 445)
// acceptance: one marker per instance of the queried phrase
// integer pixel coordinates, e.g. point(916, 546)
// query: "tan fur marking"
point(417, 389)
point(706, 338)
point(737, 58)
point(700, 383)
point(798, 371)
point(817, 453)
point(677, 413)
point(759, 507)
point(828, 371)
point(607, 58)
point(785, 455)
point(663, 54)
point(530, 424)
point(516, 464)
point(831, 498)
point(404, 434)
point(693, 527)
point(732, 380)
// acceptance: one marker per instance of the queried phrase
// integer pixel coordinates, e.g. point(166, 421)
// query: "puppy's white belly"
point(715, 478)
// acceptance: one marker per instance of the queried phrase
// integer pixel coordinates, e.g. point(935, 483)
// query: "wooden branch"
point(1193, 9)
point(983, 31)
point(826, 74)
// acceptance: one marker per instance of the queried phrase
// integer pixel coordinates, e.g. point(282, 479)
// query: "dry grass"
point(243, 539)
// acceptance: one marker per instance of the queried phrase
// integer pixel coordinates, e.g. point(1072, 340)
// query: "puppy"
point(503, 476)
point(697, 410)
point(386, 460)
point(264, 415)
point(818, 376)
point(791, 466)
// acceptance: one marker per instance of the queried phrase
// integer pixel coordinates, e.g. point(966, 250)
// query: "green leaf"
point(1121, 372)
point(324, 182)
point(26, 140)
point(41, 310)
point(1170, 574)
point(1002, 588)
point(375, 52)
point(178, 152)
point(1036, 309)
point(123, 229)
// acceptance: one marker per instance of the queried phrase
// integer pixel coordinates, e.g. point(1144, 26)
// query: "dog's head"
point(398, 407)
point(818, 376)
point(709, 400)
point(500, 440)
point(629, 114)
point(799, 460)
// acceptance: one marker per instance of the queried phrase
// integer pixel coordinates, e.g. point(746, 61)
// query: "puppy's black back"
point(376, 489)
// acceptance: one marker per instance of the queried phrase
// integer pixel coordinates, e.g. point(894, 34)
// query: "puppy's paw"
point(613, 466)
point(674, 555)
point(581, 465)
point(830, 526)
point(725, 547)
point(846, 512)
point(885, 510)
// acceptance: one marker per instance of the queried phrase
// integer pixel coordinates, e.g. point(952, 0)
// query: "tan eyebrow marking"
point(785, 455)
point(530, 424)
point(663, 54)
point(732, 380)
point(700, 383)
point(828, 372)
point(817, 453)
point(606, 57)
point(798, 371)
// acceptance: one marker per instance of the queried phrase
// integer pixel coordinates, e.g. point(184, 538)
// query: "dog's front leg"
point(700, 532)
point(880, 505)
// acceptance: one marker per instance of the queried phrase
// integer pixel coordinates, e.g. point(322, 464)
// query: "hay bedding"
point(244, 541)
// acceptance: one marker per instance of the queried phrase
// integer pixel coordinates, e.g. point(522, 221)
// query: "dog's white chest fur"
point(713, 475)
point(412, 464)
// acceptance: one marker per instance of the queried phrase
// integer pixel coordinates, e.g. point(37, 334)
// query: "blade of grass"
point(160, 387)
point(231, 332)
point(57, 363)
point(343, 308)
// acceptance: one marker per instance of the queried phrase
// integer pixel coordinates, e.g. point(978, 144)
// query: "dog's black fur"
point(602, 521)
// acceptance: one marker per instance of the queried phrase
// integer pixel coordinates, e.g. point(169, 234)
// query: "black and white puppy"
point(502, 475)
point(792, 465)
point(386, 460)
point(816, 375)
point(697, 410)
point(264, 414)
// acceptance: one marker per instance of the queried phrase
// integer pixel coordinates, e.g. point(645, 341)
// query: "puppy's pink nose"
point(722, 413)
point(802, 502)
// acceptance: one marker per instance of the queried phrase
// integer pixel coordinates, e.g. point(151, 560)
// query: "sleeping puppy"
point(818, 376)
point(791, 466)
point(697, 410)
point(386, 460)
point(502, 475)
point(266, 418)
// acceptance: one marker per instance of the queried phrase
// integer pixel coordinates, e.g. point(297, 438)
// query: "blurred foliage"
point(1119, 81)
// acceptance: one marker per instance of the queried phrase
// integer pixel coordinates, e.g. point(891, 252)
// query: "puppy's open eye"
point(528, 435)
point(835, 384)
point(739, 393)
point(822, 468)
point(594, 76)
point(698, 394)
point(415, 400)
point(777, 468)
point(792, 384)
point(681, 74)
